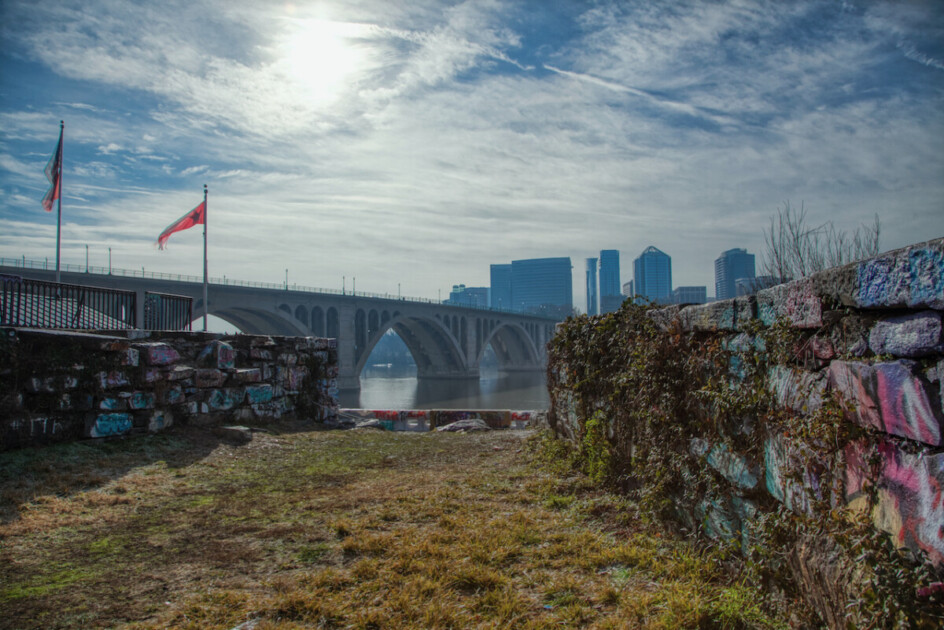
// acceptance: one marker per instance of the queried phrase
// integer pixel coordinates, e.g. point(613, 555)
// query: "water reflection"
point(389, 388)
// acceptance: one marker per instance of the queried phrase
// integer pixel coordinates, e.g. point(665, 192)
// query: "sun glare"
point(319, 57)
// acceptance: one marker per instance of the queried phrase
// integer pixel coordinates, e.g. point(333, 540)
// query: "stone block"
point(792, 475)
point(910, 501)
point(141, 400)
point(159, 421)
point(224, 399)
point(258, 394)
point(159, 353)
point(913, 335)
point(179, 373)
point(288, 358)
point(795, 389)
point(709, 317)
point(218, 354)
point(797, 301)
point(152, 375)
point(173, 395)
point(261, 340)
point(111, 380)
point(130, 357)
point(888, 396)
point(732, 466)
point(208, 377)
point(260, 354)
point(111, 403)
point(663, 317)
point(913, 276)
point(251, 375)
point(110, 424)
point(45, 385)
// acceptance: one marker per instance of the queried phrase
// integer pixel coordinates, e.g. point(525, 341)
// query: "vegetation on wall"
point(680, 420)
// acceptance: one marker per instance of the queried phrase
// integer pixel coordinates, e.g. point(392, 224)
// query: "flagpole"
point(62, 125)
point(206, 304)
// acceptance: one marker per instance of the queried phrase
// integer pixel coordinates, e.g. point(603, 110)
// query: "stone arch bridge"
point(446, 341)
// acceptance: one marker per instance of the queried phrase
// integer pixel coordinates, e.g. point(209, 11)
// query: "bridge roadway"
point(446, 341)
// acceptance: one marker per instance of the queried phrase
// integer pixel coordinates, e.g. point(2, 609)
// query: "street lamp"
point(86, 259)
point(398, 290)
point(286, 279)
point(109, 261)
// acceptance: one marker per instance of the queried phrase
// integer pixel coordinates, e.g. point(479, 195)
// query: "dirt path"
point(352, 529)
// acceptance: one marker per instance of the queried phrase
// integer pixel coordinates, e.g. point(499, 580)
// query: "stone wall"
point(823, 395)
point(57, 385)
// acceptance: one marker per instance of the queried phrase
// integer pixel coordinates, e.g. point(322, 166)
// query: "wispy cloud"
point(438, 152)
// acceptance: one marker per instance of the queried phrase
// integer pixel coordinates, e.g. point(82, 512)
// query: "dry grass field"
point(356, 529)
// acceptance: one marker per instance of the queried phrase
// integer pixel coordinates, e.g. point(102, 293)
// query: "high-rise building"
point(689, 295)
point(500, 295)
point(652, 275)
point(610, 296)
point(732, 265)
point(592, 287)
point(628, 289)
point(474, 297)
point(543, 286)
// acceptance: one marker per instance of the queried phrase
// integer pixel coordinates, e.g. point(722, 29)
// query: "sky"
point(412, 144)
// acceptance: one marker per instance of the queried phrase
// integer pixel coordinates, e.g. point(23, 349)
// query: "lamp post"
point(109, 261)
point(398, 290)
point(86, 259)
point(286, 279)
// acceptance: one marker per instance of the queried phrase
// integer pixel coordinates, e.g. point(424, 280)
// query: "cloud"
point(676, 125)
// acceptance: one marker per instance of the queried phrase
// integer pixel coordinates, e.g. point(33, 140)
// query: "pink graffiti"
point(887, 396)
point(915, 484)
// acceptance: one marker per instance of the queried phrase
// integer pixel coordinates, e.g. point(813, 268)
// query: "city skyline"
point(463, 133)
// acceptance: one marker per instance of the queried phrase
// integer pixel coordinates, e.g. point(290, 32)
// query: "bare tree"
point(794, 249)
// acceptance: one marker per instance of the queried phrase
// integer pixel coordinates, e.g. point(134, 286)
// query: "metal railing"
point(157, 275)
point(40, 304)
point(163, 311)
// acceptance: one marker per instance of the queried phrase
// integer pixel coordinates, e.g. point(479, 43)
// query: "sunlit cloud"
point(417, 143)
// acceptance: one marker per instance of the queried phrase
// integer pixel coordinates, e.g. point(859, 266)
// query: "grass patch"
point(345, 529)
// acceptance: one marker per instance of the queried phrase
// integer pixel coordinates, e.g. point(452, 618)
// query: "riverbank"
point(359, 529)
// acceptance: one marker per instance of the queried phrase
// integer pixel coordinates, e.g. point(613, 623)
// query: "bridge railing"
point(40, 304)
point(163, 311)
point(224, 281)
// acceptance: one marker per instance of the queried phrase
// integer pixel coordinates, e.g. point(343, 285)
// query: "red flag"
point(54, 175)
point(192, 218)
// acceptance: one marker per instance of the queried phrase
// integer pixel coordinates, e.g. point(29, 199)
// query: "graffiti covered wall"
point(57, 386)
point(859, 346)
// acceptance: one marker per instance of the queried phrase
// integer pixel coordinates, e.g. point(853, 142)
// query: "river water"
point(389, 388)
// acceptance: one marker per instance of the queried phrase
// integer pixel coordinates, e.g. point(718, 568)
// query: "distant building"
point(542, 286)
point(729, 267)
point(500, 295)
point(628, 289)
point(652, 275)
point(592, 287)
point(610, 296)
point(690, 295)
point(474, 297)
point(750, 286)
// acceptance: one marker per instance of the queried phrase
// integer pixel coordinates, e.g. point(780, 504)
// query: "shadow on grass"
point(66, 469)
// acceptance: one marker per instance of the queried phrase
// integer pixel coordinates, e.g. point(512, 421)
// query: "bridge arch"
point(513, 346)
point(435, 351)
